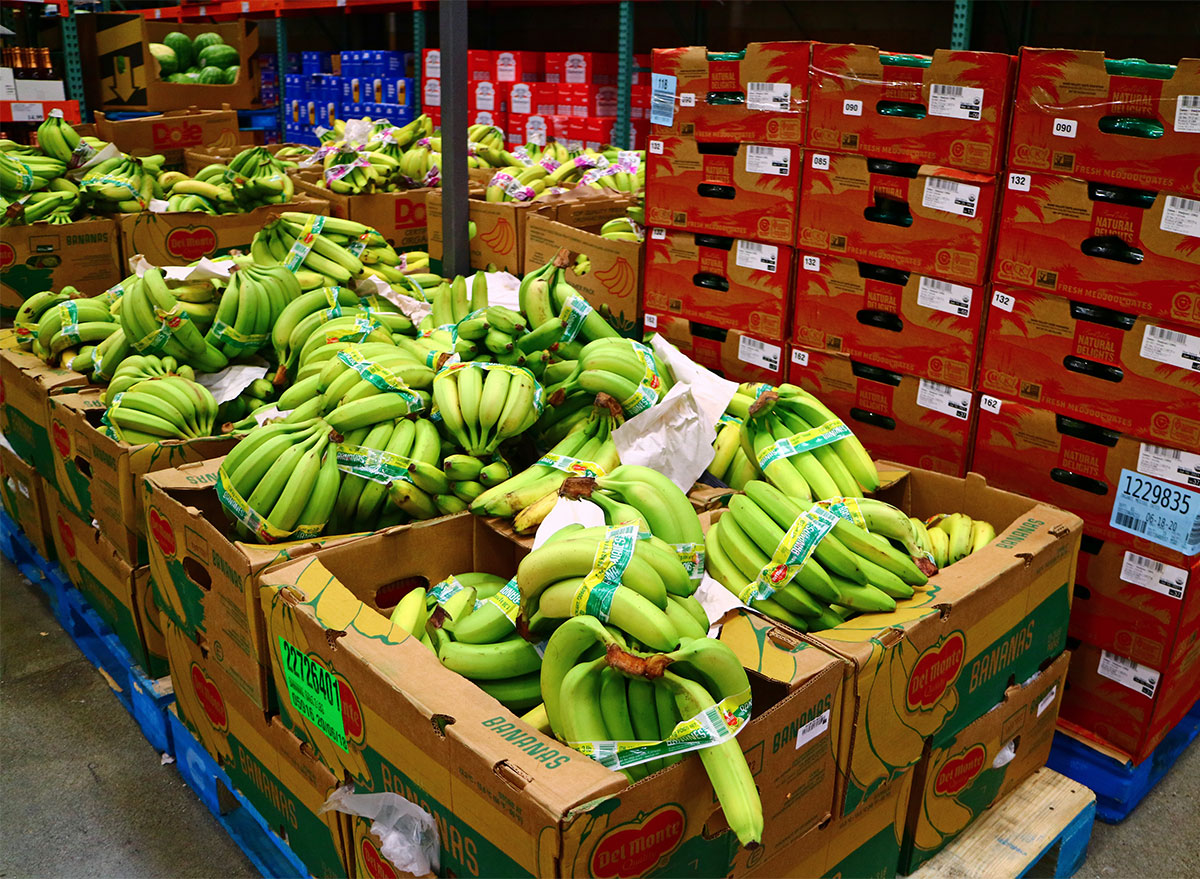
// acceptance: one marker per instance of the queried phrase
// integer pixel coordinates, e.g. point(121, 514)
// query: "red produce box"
point(518, 66)
point(479, 64)
point(487, 95)
point(599, 67)
point(733, 354)
point(533, 98)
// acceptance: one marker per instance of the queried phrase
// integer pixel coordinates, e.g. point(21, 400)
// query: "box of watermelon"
point(146, 64)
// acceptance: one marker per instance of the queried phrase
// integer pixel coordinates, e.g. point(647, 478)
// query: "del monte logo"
point(959, 771)
point(377, 865)
point(634, 848)
point(162, 532)
point(210, 698)
point(935, 672)
point(191, 242)
point(8, 256)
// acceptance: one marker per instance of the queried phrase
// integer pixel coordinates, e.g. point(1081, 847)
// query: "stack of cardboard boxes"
point(1090, 377)
point(369, 82)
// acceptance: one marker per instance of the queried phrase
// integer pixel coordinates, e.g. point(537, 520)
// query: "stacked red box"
point(533, 98)
point(487, 96)
point(578, 67)
point(509, 67)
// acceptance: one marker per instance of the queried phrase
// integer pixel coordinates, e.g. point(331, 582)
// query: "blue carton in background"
point(316, 62)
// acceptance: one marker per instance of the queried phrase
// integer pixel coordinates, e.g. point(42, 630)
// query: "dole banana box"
point(1132, 604)
point(44, 256)
point(205, 578)
point(921, 218)
point(737, 356)
point(759, 93)
point(119, 593)
point(172, 133)
point(100, 477)
point(1134, 374)
point(1136, 251)
point(24, 496)
point(1124, 121)
point(888, 317)
point(916, 421)
point(1139, 494)
point(734, 283)
point(951, 108)
point(614, 279)
point(1126, 706)
point(744, 190)
point(962, 775)
point(397, 216)
point(944, 657)
point(268, 765)
point(183, 237)
point(26, 385)
point(381, 710)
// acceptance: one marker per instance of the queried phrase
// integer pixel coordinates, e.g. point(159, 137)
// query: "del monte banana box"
point(24, 495)
point(100, 477)
point(171, 133)
point(915, 421)
point(1138, 375)
point(381, 710)
point(964, 774)
point(397, 216)
point(182, 237)
point(950, 108)
point(119, 593)
point(888, 317)
point(43, 256)
point(26, 385)
point(206, 579)
point(268, 765)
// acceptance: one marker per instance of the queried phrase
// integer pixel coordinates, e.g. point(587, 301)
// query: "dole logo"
point(177, 135)
point(210, 698)
point(959, 771)
point(162, 532)
point(67, 536)
point(634, 848)
point(409, 214)
point(935, 672)
point(8, 256)
point(376, 864)
point(62, 439)
point(192, 242)
point(352, 718)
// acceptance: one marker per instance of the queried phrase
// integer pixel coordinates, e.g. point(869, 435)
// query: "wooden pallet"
point(1049, 816)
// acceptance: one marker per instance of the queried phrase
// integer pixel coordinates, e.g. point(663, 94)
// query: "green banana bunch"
point(28, 172)
point(622, 229)
point(626, 172)
point(161, 408)
point(628, 371)
point(63, 327)
point(339, 250)
point(517, 184)
point(483, 404)
point(137, 368)
point(259, 393)
point(950, 537)
point(249, 307)
point(154, 322)
point(48, 205)
point(122, 184)
point(57, 139)
point(30, 313)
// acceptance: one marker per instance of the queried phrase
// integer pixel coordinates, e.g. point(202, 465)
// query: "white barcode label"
point(687, 99)
point(1140, 678)
point(662, 100)
point(820, 162)
point(943, 398)
point(1156, 510)
point(955, 101)
point(1003, 301)
point(770, 96)
point(1047, 700)
point(752, 255)
point(799, 357)
point(851, 108)
point(651, 322)
point(768, 160)
point(944, 296)
point(1187, 113)
point(759, 353)
point(1064, 127)
point(1173, 464)
point(1154, 575)
point(815, 727)
point(1181, 215)
point(1019, 182)
point(990, 404)
point(27, 111)
point(658, 234)
point(656, 147)
point(951, 196)
point(1171, 347)
point(811, 263)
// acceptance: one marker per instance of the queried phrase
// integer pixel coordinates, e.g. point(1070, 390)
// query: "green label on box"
point(313, 691)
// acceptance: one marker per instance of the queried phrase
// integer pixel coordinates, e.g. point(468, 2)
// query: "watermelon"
point(168, 61)
point(211, 76)
point(178, 77)
point(204, 40)
point(231, 74)
point(181, 46)
point(218, 55)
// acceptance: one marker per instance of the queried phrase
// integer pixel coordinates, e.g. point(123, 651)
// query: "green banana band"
point(358, 245)
point(569, 465)
point(594, 596)
point(846, 508)
point(507, 601)
point(304, 243)
point(70, 321)
point(376, 465)
point(121, 182)
point(154, 341)
point(575, 311)
point(796, 548)
point(691, 556)
point(109, 430)
point(381, 377)
point(112, 294)
point(237, 507)
point(804, 441)
point(445, 590)
point(26, 174)
point(363, 326)
point(647, 392)
point(223, 332)
point(713, 726)
point(538, 394)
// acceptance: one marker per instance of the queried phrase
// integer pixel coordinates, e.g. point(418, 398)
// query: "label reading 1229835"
point(1158, 511)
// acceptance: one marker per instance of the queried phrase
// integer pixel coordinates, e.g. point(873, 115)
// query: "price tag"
point(658, 234)
point(773, 97)
point(943, 398)
point(662, 99)
point(759, 353)
point(1064, 128)
point(1003, 301)
point(851, 108)
point(27, 111)
point(955, 101)
point(768, 160)
point(687, 99)
point(753, 255)
point(1047, 700)
point(815, 727)
point(1019, 182)
point(245, 5)
point(1187, 113)
point(651, 322)
point(1171, 347)
point(656, 147)
point(1137, 677)
point(1175, 465)
point(1154, 575)
point(1181, 215)
point(799, 357)
point(951, 196)
point(314, 692)
point(811, 263)
point(1157, 511)
point(944, 296)
point(820, 161)
point(990, 404)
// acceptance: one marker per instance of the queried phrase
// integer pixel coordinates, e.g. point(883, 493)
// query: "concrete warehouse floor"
point(83, 793)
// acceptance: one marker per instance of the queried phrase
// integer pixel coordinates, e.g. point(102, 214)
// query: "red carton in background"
point(1135, 251)
point(489, 117)
point(922, 218)
point(949, 109)
point(518, 66)
point(487, 95)
point(479, 65)
point(533, 98)
point(727, 282)
point(1073, 108)
point(888, 317)
point(641, 79)
point(598, 67)
point(589, 99)
point(897, 417)
point(735, 355)
point(741, 190)
point(639, 102)
point(1133, 374)
point(758, 94)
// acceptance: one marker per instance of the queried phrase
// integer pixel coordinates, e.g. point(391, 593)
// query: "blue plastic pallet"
point(17, 548)
point(1120, 786)
point(270, 855)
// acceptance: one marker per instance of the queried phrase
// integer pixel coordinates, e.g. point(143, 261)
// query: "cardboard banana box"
point(43, 256)
point(24, 496)
point(26, 385)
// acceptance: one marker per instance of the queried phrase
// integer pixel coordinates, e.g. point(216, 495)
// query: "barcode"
point(1122, 661)
point(764, 151)
point(1140, 561)
point(939, 286)
point(1167, 335)
point(1163, 452)
point(1178, 203)
point(948, 185)
point(952, 90)
point(747, 342)
point(750, 246)
point(762, 86)
point(1194, 534)
point(1127, 521)
point(1192, 102)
